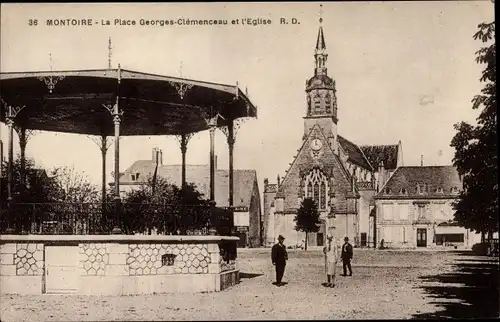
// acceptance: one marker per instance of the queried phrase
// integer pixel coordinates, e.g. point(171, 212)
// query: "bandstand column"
point(21, 131)
point(116, 121)
point(230, 142)
point(212, 162)
point(183, 151)
point(104, 149)
point(10, 115)
point(10, 165)
point(116, 113)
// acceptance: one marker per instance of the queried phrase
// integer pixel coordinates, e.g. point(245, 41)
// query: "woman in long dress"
point(331, 257)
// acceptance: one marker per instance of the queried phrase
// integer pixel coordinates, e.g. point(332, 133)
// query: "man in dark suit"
point(279, 256)
point(346, 256)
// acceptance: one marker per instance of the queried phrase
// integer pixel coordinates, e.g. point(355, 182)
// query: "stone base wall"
point(122, 265)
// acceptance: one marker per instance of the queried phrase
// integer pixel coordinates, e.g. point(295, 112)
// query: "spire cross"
point(320, 13)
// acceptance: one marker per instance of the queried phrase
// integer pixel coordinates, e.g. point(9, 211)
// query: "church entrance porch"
point(317, 239)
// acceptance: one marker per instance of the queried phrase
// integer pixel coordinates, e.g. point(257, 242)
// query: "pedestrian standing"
point(279, 256)
point(331, 258)
point(347, 256)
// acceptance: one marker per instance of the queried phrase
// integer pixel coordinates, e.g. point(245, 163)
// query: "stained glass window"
point(316, 193)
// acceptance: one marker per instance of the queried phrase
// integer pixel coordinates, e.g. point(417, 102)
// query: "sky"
point(405, 71)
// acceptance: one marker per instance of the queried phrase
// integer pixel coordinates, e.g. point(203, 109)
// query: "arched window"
point(323, 194)
point(328, 103)
point(317, 188)
point(316, 194)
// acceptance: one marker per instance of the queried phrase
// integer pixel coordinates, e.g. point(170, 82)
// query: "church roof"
point(355, 154)
point(385, 153)
point(244, 180)
point(439, 181)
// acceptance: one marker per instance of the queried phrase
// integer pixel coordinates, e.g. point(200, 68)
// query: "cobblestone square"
point(384, 285)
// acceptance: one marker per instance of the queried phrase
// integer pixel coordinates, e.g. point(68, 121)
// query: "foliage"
point(476, 148)
point(40, 185)
point(307, 218)
point(75, 186)
point(166, 208)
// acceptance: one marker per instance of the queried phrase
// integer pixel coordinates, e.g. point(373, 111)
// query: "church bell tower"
point(321, 95)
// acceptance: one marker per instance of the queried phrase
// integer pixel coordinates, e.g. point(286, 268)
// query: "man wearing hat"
point(346, 256)
point(279, 256)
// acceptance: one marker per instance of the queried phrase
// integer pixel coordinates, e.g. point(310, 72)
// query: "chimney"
point(153, 154)
point(381, 175)
point(266, 182)
point(422, 160)
point(160, 157)
point(278, 179)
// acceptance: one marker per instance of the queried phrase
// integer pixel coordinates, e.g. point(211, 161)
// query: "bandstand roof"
point(152, 104)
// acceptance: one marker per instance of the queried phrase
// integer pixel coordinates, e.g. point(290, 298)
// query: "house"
point(415, 209)
point(246, 198)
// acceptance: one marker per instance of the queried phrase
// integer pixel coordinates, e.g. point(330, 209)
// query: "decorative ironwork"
point(181, 88)
point(113, 111)
point(51, 81)
point(11, 111)
point(97, 218)
point(103, 142)
point(27, 133)
point(187, 136)
point(212, 121)
point(236, 126)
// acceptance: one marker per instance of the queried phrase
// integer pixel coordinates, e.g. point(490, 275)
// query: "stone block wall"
point(146, 259)
point(123, 265)
point(22, 259)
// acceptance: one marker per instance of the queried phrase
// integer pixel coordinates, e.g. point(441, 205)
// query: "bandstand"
point(114, 103)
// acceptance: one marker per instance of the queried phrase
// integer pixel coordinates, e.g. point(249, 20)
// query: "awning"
point(446, 230)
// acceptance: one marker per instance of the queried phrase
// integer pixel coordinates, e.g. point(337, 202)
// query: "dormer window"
point(387, 191)
point(439, 190)
point(133, 177)
point(403, 191)
point(421, 188)
point(454, 190)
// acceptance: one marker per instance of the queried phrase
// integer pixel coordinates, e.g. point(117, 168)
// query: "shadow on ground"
point(249, 275)
point(470, 291)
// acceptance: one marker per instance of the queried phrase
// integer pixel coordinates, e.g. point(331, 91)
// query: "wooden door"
point(61, 269)
point(320, 239)
point(421, 237)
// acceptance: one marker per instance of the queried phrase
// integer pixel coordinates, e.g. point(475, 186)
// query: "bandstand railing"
point(98, 218)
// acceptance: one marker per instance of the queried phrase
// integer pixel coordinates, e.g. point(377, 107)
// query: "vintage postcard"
point(237, 161)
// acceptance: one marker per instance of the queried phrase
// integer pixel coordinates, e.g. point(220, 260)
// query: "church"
point(339, 175)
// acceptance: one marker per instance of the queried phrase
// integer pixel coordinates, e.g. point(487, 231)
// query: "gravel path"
point(385, 285)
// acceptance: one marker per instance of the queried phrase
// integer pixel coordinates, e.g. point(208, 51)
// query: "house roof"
point(385, 153)
point(439, 181)
point(244, 180)
point(355, 154)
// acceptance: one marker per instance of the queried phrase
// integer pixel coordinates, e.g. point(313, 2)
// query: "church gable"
point(315, 154)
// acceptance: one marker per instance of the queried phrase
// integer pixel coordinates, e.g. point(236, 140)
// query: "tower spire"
point(320, 55)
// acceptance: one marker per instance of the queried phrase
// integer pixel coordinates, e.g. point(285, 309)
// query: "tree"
point(307, 218)
point(167, 208)
point(76, 187)
point(476, 148)
point(40, 188)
